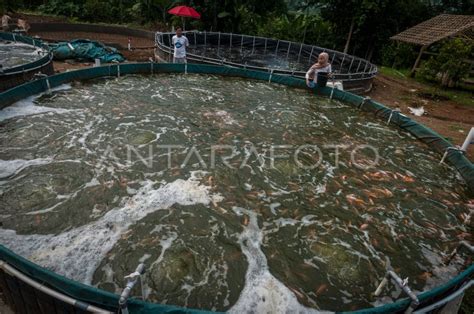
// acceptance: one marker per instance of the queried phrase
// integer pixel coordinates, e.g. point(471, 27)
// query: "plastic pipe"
point(132, 280)
point(448, 299)
point(403, 284)
point(469, 140)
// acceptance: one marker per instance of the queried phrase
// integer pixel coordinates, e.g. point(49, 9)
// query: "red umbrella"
point(185, 11)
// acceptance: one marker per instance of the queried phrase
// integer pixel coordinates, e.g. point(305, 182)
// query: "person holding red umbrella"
point(180, 42)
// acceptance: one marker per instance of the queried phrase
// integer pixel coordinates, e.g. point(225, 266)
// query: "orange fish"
point(222, 210)
point(352, 199)
point(408, 179)
point(303, 276)
point(464, 235)
point(298, 294)
point(123, 182)
point(37, 219)
point(251, 195)
point(369, 194)
point(425, 275)
point(375, 243)
point(321, 289)
point(384, 192)
point(364, 226)
point(379, 176)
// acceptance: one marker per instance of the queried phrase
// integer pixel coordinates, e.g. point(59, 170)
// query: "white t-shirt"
point(180, 44)
point(314, 71)
point(5, 20)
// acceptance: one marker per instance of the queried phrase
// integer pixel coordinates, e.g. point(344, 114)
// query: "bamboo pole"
point(418, 59)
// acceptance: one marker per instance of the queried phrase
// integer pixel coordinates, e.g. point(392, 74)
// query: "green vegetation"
point(360, 27)
point(451, 65)
point(397, 73)
point(463, 95)
point(398, 55)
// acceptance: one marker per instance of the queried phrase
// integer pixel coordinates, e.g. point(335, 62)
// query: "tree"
point(456, 6)
point(243, 16)
point(7, 6)
point(450, 66)
point(363, 27)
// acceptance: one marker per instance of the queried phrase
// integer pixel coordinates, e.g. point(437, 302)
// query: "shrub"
point(398, 55)
point(57, 7)
point(450, 66)
point(97, 10)
point(298, 27)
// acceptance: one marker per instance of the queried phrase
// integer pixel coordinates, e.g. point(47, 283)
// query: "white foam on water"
point(65, 197)
point(165, 244)
point(320, 188)
point(26, 107)
point(262, 293)
point(221, 116)
point(12, 167)
point(144, 258)
point(78, 252)
point(158, 95)
point(274, 206)
point(87, 130)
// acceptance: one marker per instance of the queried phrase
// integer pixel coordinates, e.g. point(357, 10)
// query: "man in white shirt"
point(180, 42)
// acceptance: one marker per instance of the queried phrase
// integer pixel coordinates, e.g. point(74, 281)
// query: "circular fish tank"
point(21, 58)
point(238, 194)
point(270, 55)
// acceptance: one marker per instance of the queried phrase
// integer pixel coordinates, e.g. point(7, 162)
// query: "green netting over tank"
point(109, 300)
point(84, 49)
point(47, 58)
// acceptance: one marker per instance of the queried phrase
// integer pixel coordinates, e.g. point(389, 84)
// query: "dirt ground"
point(35, 18)
point(446, 117)
point(108, 39)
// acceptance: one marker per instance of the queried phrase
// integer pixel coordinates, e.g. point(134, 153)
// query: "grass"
point(396, 73)
point(456, 127)
point(463, 96)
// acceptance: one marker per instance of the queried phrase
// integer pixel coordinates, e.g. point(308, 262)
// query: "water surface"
point(14, 54)
point(88, 189)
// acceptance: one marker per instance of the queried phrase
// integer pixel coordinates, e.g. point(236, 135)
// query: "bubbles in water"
point(86, 179)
